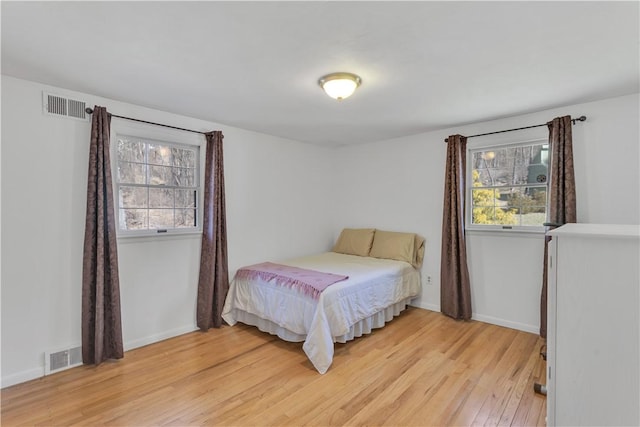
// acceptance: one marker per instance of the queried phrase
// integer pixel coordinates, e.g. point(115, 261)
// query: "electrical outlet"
point(427, 280)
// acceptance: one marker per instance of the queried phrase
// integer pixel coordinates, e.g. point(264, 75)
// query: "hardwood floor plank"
point(483, 367)
point(519, 391)
point(505, 378)
point(421, 369)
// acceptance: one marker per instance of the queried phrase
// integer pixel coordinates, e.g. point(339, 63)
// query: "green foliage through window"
point(487, 205)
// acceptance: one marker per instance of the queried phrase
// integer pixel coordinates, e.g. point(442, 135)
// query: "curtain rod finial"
point(578, 119)
point(88, 110)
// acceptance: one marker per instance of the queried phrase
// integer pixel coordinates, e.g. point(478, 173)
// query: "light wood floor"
point(422, 369)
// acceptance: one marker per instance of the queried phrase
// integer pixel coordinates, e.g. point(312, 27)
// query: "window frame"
point(471, 150)
point(175, 138)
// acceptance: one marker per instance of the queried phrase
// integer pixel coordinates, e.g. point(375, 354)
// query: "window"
point(508, 186)
point(157, 186)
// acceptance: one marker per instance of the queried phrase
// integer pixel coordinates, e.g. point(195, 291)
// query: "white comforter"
point(376, 290)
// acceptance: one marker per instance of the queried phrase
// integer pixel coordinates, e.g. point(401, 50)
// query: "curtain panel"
point(562, 194)
point(455, 287)
point(213, 283)
point(101, 322)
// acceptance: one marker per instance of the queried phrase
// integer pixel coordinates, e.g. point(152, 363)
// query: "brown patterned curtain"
point(562, 193)
point(455, 288)
point(101, 323)
point(213, 283)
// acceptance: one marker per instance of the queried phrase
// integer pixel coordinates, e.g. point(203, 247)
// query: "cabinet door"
point(595, 368)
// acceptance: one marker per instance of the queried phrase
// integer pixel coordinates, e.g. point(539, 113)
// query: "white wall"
point(284, 199)
point(276, 193)
point(398, 185)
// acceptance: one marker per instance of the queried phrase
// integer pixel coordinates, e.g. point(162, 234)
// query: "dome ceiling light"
point(339, 85)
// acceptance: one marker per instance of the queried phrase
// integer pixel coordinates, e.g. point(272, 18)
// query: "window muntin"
point(157, 185)
point(508, 186)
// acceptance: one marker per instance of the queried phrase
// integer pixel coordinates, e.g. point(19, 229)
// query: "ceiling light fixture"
point(339, 85)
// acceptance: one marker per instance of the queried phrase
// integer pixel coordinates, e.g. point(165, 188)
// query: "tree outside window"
point(157, 185)
point(509, 185)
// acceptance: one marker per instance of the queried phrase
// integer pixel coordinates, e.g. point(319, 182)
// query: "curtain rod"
point(579, 119)
point(90, 111)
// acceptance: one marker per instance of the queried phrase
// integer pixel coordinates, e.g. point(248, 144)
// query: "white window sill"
point(514, 232)
point(155, 237)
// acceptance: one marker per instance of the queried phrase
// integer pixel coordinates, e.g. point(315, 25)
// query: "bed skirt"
point(363, 327)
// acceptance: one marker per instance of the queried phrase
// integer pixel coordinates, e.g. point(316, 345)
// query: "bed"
point(375, 281)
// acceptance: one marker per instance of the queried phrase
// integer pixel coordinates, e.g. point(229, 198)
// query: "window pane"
point(130, 150)
point(482, 177)
point(159, 154)
point(534, 218)
point(160, 197)
point(491, 215)
point(133, 197)
point(484, 197)
point(511, 165)
point(483, 215)
point(133, 219)
point(489, 206)
point(530, 203)
point(160, 218)
point(185, 218)
point(537, 173)
point(185, 198)
point(184, 157)
point(529, 199)
point(184, 177)
point(159, 175)
point(132, 173)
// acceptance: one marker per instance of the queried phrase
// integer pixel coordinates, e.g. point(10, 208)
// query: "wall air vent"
point(61, 360)
point(56, 105)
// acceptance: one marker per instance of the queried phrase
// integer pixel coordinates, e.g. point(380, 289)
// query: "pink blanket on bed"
point(308, 281)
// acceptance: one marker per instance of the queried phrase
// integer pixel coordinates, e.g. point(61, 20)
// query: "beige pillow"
point(355, 241)
point(418, 252)
point(393, 245)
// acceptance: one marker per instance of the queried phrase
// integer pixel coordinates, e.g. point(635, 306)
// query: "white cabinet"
point(593, 326)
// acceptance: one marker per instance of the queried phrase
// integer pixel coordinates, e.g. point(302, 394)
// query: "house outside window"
point(507, 186)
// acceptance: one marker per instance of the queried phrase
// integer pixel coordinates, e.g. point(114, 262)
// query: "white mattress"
point(376, 290)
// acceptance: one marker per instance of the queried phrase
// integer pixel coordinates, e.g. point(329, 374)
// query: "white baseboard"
point(534, 329)
point(32, 374)
point(22, 377)
point(426, 306)
point(140, 342)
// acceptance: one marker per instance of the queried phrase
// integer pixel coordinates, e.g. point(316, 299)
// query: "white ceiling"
point(255, 65)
